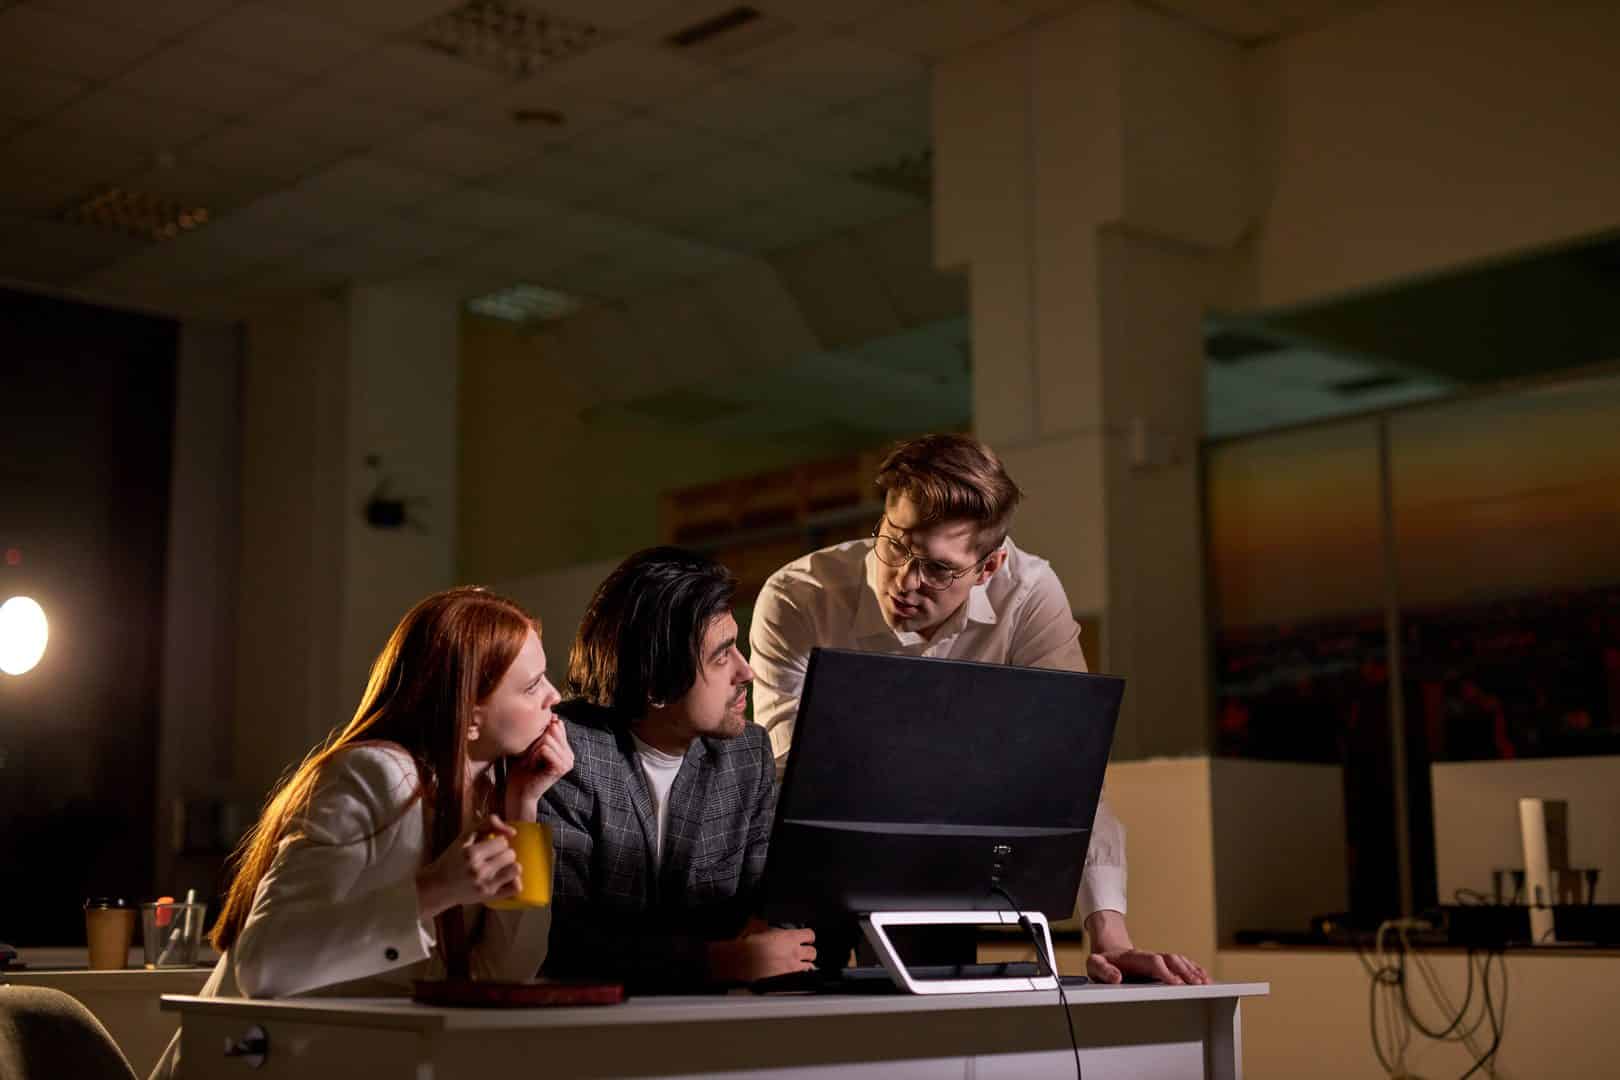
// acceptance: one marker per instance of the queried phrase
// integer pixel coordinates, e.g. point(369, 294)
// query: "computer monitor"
point(919, 785)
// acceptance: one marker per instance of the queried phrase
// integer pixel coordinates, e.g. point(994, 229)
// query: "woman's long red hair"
point(446, 655)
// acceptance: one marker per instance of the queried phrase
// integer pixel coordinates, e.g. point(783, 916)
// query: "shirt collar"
point(869, 621)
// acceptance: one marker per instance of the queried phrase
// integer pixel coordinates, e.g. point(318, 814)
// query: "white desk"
point(1127, 1031)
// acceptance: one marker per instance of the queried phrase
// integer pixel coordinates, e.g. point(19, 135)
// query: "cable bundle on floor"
point(1395, 1023)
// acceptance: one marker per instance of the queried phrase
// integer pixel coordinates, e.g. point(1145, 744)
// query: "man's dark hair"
point(641, 636)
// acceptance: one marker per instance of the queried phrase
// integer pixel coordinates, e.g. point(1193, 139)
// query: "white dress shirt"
point(1020, 616)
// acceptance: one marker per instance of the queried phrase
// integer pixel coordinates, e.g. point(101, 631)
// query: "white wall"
point(200, 591)
point(294, 405)
point(1476, 817)
point(1412, 137)
point(558, 599)
point(1315, 1023)
point(404, 345)
point(327, 380)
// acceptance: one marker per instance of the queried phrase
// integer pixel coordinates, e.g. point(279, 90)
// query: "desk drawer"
point(297, 1051)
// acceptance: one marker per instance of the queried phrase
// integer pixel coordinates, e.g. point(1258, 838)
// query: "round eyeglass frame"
point(950, 573)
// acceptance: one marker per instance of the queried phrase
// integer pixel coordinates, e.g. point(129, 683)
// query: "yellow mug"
point(533, 846)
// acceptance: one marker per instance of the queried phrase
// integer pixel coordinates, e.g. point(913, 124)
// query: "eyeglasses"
point(934, 574)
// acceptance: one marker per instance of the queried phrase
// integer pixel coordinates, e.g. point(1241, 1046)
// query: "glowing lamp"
point(23, 634)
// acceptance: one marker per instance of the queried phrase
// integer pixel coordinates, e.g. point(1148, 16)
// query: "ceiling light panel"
point(525, 303)
point(137, 213)
point(510, 38)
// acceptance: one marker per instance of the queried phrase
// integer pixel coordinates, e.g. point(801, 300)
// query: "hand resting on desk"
point(1114, 959)
point(760, 952)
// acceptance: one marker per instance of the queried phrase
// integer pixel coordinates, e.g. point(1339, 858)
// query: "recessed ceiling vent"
point(729, 33)
point(507, 37)
point(908, 174)
point(136, 213)
point(1367, 384)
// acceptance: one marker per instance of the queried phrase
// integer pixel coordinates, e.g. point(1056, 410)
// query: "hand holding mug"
point(479, 867)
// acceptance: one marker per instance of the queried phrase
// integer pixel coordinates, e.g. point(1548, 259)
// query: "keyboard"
point(875, 979)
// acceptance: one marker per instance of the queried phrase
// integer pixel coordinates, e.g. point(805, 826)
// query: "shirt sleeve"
point(319, 916)
point(1047, 636)
point(779, 640)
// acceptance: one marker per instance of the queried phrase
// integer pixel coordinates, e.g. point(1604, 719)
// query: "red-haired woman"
point(366, 869)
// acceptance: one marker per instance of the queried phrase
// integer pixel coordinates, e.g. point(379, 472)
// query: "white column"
point(1091, 179)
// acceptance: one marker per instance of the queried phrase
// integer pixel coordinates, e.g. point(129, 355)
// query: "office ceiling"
point(339, 141)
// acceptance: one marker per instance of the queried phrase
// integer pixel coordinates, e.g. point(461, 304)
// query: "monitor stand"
point(875, 925)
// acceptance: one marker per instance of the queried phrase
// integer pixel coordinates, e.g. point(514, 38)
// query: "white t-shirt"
point(659, 768)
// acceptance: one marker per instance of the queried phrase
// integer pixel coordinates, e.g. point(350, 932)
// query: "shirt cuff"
point(1102, 888)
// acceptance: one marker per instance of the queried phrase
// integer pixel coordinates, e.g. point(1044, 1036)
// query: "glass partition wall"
point(1435, 583)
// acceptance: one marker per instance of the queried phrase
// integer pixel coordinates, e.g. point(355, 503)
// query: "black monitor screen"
point(918, 784)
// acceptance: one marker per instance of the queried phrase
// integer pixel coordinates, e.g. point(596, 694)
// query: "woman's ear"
point(475, 724)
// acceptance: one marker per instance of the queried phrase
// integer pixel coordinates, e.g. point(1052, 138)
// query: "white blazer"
point(335, 913)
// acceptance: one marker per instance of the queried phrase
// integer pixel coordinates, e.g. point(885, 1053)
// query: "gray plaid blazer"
point(613, 915)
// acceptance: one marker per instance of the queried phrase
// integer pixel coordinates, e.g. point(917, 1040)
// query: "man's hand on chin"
point(1114, 959)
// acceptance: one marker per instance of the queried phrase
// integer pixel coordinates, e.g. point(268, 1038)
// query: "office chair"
point(45, 1033)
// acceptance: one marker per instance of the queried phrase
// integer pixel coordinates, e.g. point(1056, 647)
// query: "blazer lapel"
point(687, 797)
point(646, 816)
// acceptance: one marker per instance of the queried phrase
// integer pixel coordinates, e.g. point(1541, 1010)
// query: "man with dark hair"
point(940, 577)
point(660, 830)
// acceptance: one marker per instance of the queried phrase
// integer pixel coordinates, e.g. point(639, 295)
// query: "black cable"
point(1050, 964)
point(1462, 1011)
point(1498, 1025)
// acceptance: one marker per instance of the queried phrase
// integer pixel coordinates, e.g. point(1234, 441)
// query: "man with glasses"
point(940, 577)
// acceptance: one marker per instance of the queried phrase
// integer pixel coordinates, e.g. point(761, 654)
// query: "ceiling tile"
point(671, 204)
point(937, 28)
point(508, 260)
point(845, 204)
point(478, 207)
point(1238, 19)
point(368, 182)
point(49, 252)
point(756, 227)
point(28, 92)
point(322, 115)
point(127, 116)
point(190, 75)
point(281, 41)
point(855, 69)
point(567, 175)
point(413, 77)
point(744, 107)
point(906, 109)
point(271, 228)
point(68, 44)
point(384, 16)
point(52, 166)
point(454, 151)
point(608, 14)
point(357, 260)
point(159, 18)
point(630, 73)
point(752, 174)
point(827, 13)
point(252, 151)
point(837, 143)
point(1042, 7)
point(650, 144)
point(187, 182)
point(579, 114)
